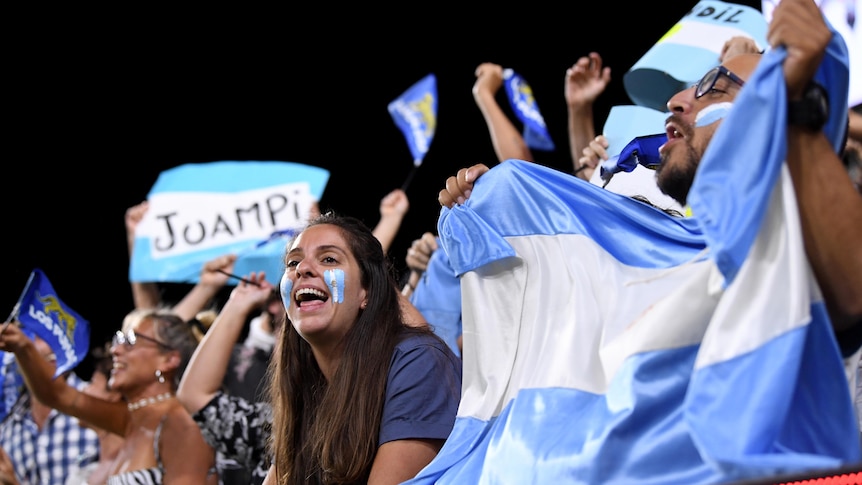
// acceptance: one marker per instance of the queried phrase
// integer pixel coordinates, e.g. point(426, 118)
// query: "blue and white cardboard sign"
point(689, 49)
point(201, 211)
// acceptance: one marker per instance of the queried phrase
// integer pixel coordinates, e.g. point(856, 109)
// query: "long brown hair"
point(328, 432)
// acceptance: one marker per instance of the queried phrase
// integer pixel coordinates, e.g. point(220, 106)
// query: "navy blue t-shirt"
point(422, 392)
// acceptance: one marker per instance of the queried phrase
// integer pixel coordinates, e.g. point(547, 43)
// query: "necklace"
point(149, 400)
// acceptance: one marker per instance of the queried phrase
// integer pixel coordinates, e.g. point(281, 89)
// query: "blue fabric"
point(606, 342)
point(524, 105)
point(422, 391)
point(200, 211)
point(42, 313)
point(415, 114)
point(11, 381)
point(641, 150)
point(437, 296)
point(758, 132)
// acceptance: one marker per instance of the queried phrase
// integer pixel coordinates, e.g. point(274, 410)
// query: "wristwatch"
point(812, 110)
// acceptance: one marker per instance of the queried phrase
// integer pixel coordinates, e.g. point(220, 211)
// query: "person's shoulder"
point(176, 420)
point(418, 340)
point(417, 343)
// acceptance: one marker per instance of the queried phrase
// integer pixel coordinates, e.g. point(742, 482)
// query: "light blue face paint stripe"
point(712, 113)
point(335, 280)
point(286, 287)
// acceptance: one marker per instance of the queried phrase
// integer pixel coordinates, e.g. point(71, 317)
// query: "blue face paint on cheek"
point(335, 280)
point(712, 113)
point(286, 287)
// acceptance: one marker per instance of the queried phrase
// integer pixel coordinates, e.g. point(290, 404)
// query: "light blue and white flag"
point(438, 298)
point(607, 342)
point(523, 103)
point(200, 211)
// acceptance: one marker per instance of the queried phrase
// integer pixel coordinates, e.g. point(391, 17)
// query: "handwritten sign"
point(200, 211)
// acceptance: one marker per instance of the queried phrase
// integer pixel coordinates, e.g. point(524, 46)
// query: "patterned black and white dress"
point(238, 430)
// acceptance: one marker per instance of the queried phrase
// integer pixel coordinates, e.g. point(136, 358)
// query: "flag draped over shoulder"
point(42, 313)
point(415, 114)
point(524, 105)
point(200, 211)
point(608, 342)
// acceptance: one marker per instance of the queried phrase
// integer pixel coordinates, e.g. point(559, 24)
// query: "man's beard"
point(676, 181)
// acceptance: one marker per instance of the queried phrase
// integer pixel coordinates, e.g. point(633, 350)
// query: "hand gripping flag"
point(200, 211)
point(415, 114)
point(607, 342)
point(43, 314)
point(527, 110)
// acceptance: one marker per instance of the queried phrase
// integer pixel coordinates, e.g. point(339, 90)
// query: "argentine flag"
point(607, 342)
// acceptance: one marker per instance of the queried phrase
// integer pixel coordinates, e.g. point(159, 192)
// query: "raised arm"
point(505, 137)
point(203, 377)
point(38, 375)
point(210, 282)
point(393, 207)
point(830, 207)
point(585, 81)
point(144, 294)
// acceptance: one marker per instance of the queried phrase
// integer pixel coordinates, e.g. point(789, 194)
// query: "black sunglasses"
point(707, 82)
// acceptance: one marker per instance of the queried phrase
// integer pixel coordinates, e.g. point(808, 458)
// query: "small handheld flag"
point(415, 114)
point(43, 314)
point(524, 105)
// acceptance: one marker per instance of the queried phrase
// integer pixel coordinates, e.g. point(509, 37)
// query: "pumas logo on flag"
point(415, 114)
point(524, 105)
point(42, 313)
point(53, 311)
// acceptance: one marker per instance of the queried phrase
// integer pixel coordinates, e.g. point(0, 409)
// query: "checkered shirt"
point(48, 456)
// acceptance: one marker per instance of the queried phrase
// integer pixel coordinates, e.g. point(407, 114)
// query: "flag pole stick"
point(409, 178)
point(17, 306)
point(244, 280)
point(11, 317)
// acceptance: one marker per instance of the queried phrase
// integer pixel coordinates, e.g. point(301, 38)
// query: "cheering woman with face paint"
point(359, 395)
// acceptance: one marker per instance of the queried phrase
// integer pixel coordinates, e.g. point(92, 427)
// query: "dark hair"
point(173, 331)
point(102, 360)
point(327, 432)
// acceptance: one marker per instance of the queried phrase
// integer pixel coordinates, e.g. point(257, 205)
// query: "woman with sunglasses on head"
point(362, 390)
point(162, 443)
